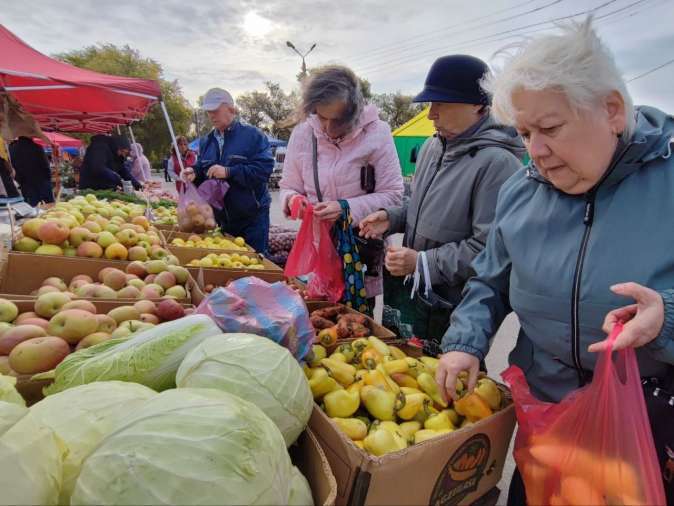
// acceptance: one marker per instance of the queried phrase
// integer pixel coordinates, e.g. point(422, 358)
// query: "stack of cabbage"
point(105, 437)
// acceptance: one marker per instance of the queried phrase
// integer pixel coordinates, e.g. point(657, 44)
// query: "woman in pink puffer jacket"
point(350, 136)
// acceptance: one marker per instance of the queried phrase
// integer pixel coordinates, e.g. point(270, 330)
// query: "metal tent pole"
point(173, 136)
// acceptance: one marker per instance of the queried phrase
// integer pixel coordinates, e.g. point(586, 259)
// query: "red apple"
point(18, 335)
point(40, 322)
point(49, 304)
point(137, 268)
point(170, 309)
point(105, 323)
point(149, 318)
point(115, 279)
point(89, 249)
point(39, 354)
point(78, 235)
point(92, 340)
point(31, 227)
point(53, 232)
point(55, 282)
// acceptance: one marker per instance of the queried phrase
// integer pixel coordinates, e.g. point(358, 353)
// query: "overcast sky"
point(240, 44)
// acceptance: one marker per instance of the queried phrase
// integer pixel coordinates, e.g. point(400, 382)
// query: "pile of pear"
point(385, 401)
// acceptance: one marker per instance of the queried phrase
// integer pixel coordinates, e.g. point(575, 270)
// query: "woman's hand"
point(375, 225)
point(401, 261)
point(643, 320)
point(328, 211)
point(187, 174)
point(451, 364)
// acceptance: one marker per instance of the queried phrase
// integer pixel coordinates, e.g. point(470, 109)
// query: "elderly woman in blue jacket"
point(241, 155)
point(583, 237)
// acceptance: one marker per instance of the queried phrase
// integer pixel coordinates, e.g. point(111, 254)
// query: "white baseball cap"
point(216, 96)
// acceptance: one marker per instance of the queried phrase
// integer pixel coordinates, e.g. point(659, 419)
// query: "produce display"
point(165, 215)
point(281, 241)
point(256, 369)
point(336, 322)
point(157, 200)
point(214, 241)
point(88, 227)
point(150, 357)
point(38, 341)
point(227, 261)
point(385, 401)
point(114, 442)
point(153, 279)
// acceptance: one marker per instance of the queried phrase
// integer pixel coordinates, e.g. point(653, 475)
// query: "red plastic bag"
point(194, 212)
point(315, 253)
point(595, 447)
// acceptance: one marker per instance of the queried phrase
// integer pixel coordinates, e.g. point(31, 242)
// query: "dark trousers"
point(40, 191)
point(254, 231)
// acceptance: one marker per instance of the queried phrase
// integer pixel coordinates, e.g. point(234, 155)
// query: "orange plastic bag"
point(595, 447)
point(314, 252)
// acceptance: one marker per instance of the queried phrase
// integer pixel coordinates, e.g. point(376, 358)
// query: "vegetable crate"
point(169, 235)
point(310, 459)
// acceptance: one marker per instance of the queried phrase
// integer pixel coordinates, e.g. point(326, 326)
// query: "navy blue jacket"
point(102, 169)
point(247, 153)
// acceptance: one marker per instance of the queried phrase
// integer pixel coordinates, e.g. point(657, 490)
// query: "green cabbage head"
point(150, 357)
point(8, 391)
point(300, 491)
point(189, 446)
point(256, 369)
point(82, 416)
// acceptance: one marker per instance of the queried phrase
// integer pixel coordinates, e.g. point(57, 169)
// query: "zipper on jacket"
point(588, 218)
point(410, 242)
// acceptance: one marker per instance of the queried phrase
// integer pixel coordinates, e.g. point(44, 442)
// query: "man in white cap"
point(240, 154)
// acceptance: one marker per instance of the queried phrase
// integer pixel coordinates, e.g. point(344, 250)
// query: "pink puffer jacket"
point(339, 169)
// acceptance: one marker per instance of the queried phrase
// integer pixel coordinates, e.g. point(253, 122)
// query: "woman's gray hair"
point(575, 62)
point(328, 84)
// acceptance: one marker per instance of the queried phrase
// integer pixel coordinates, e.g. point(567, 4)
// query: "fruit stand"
point(95, 298)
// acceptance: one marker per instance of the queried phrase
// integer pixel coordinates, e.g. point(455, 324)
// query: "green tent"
point(408, 139)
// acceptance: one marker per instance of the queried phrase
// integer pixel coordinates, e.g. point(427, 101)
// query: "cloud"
point(203, 42)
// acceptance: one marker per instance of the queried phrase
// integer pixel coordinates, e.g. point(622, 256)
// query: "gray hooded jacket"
point(453, 200)
point(552, 258)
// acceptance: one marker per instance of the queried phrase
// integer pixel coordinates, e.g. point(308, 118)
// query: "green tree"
point(269, 110)
point(395, 108)
point(152, 131)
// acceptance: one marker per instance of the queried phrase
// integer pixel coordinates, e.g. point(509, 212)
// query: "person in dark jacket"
point(447, 219)
point(32, 171)
point(241, 155)
point(103, 167)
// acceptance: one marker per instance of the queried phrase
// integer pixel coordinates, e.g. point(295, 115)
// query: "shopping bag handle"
point(617, 329)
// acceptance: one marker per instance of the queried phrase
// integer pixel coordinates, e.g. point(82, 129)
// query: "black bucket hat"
point(455, 79)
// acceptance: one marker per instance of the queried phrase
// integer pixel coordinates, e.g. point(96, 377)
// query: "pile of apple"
point(165, 216)
point(87, 227)
point(211, 242)
point(153, 279)
point(227, 261)
point(39, 340)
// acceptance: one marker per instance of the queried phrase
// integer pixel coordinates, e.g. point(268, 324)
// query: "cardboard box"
point(169, 235)
point(309, 458)
point(21, 273)
point(377, 330)
point(420, 474)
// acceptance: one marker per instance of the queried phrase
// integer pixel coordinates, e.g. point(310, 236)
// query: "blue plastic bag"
point(253, 306)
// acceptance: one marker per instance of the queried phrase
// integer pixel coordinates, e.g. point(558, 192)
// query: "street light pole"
point(303, 56)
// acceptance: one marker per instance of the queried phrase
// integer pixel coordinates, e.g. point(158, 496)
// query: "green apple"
point(105, 239)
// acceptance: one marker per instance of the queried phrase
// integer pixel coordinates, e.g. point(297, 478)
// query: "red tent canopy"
point(61, 140)
point(71, 99)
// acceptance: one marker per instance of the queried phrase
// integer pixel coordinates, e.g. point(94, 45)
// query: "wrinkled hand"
point(451, 364)
point(643, 320)
point(328, 211)
point(218, 172)
point(401, 261)
point(188, 174)
point(375, 225)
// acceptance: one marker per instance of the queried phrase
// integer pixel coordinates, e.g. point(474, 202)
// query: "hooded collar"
point(485, 133)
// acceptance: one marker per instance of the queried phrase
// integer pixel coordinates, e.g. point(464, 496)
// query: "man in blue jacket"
point(241, 155)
